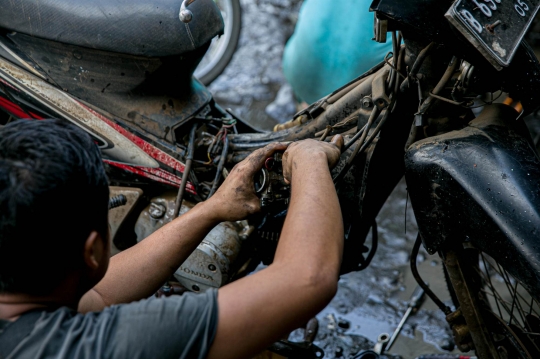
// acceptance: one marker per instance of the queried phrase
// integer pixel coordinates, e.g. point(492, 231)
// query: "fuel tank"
point(481, 184)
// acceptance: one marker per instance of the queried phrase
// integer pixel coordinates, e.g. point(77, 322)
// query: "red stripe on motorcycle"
point(16, 110)
point(157, 174)
point(153, 151)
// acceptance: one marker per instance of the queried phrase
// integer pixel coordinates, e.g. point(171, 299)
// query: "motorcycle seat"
point(150, 28)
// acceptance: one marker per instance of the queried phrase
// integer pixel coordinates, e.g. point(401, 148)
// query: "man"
point(54, 255)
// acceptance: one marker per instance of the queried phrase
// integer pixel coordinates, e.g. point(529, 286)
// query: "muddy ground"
point(370, 302)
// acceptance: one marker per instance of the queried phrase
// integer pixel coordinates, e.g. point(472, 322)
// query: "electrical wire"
point(187, 170)
point(420, 281)
point(220, 166)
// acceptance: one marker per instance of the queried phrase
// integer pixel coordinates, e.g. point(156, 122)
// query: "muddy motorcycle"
point(445, 108)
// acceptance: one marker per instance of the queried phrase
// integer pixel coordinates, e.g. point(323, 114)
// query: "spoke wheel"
point(512, 313)
point(502, 315)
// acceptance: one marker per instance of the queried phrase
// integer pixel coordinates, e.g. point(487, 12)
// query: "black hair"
point(53, 193)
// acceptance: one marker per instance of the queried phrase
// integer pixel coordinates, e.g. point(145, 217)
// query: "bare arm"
point(257, 310)
point(139, 271)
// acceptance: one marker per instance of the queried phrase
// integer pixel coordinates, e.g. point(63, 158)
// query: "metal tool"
point(446, 356)
point(415, 302)
point(382, 341)
point(378, 349)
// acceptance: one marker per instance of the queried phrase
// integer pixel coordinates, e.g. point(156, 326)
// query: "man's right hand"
point(307, 150)
point(262, 307)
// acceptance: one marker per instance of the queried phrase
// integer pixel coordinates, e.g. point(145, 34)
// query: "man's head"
point(53, 206)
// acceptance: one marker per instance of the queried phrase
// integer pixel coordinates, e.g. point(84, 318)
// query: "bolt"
point(186, 16)
point(493, 26)
point(157, 210)
point(212, 267)
point(195, 288)
point(366, 102)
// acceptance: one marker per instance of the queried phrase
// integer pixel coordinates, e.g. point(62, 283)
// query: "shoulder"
point(154, 309)
point(151, 328)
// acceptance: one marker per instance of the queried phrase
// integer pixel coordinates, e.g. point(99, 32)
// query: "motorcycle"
point(445, 109)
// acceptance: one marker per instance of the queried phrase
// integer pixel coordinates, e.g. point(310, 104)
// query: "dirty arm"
point(139, 271)
point(259, 309)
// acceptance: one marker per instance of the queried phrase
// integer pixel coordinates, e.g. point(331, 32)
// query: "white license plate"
point(495, 27)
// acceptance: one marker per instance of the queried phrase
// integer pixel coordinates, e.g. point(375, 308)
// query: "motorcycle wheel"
point(507, 313)
point(222, 48)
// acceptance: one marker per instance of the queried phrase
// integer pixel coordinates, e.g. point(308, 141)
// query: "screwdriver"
point(415, 302)
point(446, 356)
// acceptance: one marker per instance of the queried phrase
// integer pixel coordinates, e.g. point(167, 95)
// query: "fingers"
point(255, 161)
point(338, 141)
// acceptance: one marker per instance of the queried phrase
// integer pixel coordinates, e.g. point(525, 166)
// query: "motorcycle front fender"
point(481, 185)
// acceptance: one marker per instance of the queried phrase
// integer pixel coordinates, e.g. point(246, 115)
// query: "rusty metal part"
point(378, 88)
point(470, 304)
point(426, 104)
point(187, 170)
point(220, 167)
point(171, 288)
point(452, 65)
point(297, 121)
point(212, 262)
point(311, 330)
point(243, 144)
point(270, 185)
point(460, 330)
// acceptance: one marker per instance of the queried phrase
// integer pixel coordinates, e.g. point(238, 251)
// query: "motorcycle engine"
point(210, 265)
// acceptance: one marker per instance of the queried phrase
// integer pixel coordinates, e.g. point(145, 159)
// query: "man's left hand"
point(236, 199)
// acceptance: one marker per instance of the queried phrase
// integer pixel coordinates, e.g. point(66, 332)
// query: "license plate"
point(495, 27)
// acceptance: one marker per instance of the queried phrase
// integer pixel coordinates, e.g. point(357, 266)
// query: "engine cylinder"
point(210, 263)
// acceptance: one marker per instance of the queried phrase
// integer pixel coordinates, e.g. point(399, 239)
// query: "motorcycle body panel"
point(480, 185)
point(136, 27)
point(154, 94)
point(27, 96)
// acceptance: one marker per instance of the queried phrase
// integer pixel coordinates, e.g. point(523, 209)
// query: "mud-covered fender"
point(480, 184)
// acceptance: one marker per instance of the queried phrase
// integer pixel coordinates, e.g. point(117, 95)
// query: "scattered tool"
point(382, 341)
point(446, 356)
point(415, 302)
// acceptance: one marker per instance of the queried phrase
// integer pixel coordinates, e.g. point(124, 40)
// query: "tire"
point(510, 313)
point(222, 49)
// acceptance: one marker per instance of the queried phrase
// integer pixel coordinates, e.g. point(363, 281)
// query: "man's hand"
point(307, 150)
point(236, 199)
point(303, 276)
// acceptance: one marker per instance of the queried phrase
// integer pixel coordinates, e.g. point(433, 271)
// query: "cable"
point(187, 170)
point(353, 140)
point(220, 166)
point(374, 246)
point(420, 281)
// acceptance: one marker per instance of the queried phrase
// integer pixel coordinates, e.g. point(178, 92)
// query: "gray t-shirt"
point(174, 327)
